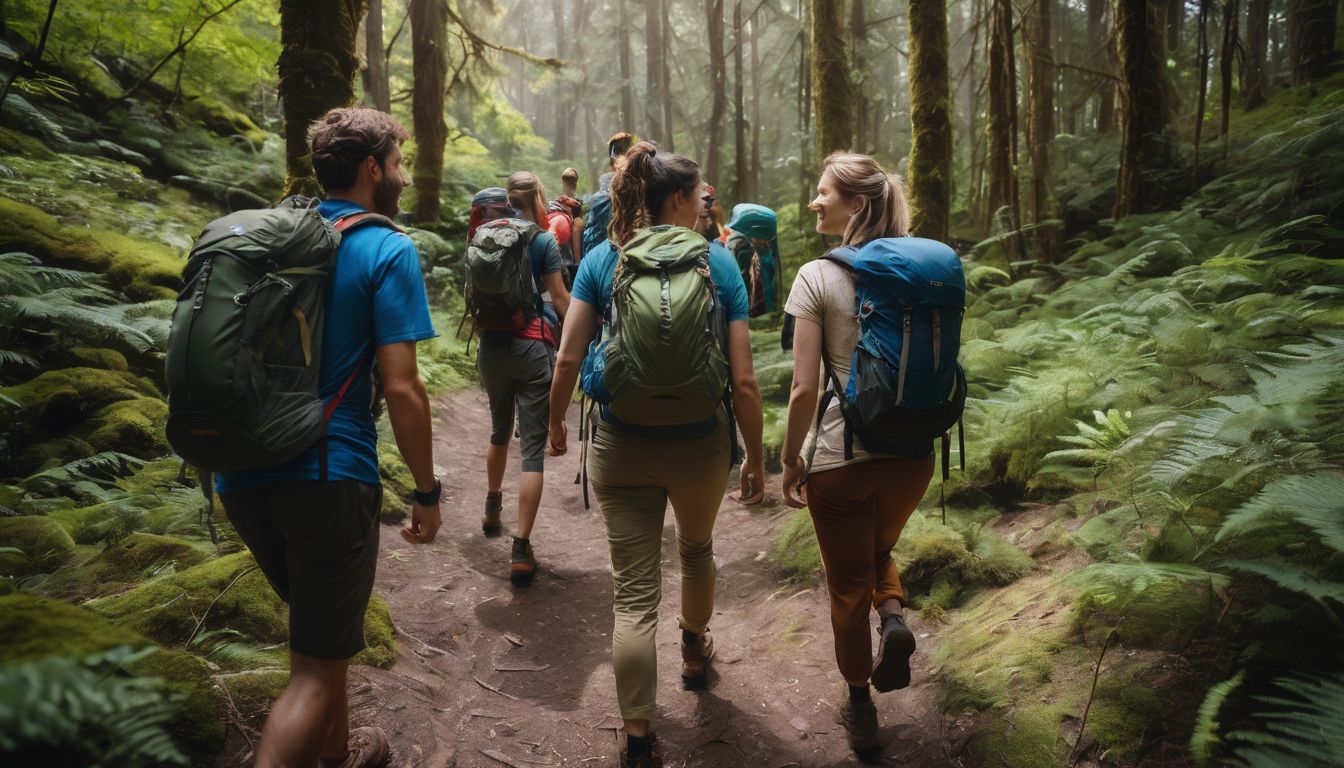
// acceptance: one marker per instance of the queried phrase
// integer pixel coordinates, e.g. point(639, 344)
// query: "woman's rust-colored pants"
point(858, 511)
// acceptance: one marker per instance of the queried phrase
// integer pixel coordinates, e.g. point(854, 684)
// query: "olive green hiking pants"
point(634, 478)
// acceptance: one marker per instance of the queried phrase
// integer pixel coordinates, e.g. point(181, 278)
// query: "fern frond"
point(1316, 501)
point(1204, 738)
point(1298, 728)
point(1293, 577)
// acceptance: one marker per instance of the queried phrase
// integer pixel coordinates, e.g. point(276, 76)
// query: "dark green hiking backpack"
point(502, 292)
point(244, 350)
point(664, 363)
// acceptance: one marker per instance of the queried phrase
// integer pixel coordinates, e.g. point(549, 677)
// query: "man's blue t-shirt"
point(375, 296)
point(592, 284)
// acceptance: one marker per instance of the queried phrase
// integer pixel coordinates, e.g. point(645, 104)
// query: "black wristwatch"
point(428, 498)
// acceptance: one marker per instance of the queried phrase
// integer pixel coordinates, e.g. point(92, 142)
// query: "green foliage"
point(1314, 501)
point(1161, 604)
point(87, 711)
point(1298, 725)
point(795, 551)
point(1204, 738)
point(36, 545)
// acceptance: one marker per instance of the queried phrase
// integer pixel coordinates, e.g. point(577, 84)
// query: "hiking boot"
point(695, 657)
point(860, 719)
point(651, 759)
point(494, 504)
point(891, 670)
point(523, 563)
point(368, 748)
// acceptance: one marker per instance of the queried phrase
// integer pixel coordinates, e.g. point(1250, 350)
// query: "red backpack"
point(488, 204)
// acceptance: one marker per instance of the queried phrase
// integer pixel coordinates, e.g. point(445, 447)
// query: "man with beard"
point(312, 523)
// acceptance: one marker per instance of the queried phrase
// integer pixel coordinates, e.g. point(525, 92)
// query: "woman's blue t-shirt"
point(592, 284)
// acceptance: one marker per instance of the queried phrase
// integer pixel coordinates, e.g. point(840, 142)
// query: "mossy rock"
point(231, 587)
point(795, 551)
point(110, 410)
point(51, 454)
point(199, 725)
point(398, 485)
point(1160, 259)
point(142, 269)
point(253, 690)
point(983, 278)
point(224, 120)
point(42, 543)
point(977, 328)
point(106, 359)
point(379, 636)
point(122, 563)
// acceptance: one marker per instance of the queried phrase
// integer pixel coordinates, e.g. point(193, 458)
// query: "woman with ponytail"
point(638, 465)
point(858, 505)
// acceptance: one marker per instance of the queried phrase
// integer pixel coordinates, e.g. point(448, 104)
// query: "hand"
point(424, 525)
point(559, 439)
point(751, 479)
point(795, 479)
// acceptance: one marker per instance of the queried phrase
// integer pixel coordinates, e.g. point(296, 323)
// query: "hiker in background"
point(660, 431)
point(860, 494)
point(598, 214)
point(312, 523)
point(710, 220)
point(487, 205)
point(563, 222)
point(569, 182)
point(751, 238)
point(517, 351)
point(569, 187)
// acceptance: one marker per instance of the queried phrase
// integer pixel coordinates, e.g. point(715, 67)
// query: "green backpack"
point(663, 364)
point(245, 345)
point(502, 293)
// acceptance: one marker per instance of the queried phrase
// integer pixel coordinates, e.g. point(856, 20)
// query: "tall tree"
point(376, 88)
point(429, 25)
point(1311, 39)
point(930, 119)
point(1042, 127)
point(718, 84)
point(654, 50)
point(755, 106)
point(623, 59)
point(666, 75)
point(741, 152)
point(832, 87)
point(563, 102)
point(858, 41)
point(1002, 114)
point(1142, 42)
point(1226, 56)
point(317, 73)
point(1175, 23)
point(1255, 85)
point(1099, 38)
point(1204, 54)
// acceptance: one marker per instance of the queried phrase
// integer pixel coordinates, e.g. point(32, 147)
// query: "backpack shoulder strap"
point(352, 221)
point(843, 255)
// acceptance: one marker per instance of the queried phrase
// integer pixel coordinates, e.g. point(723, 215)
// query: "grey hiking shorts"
point(518, 372)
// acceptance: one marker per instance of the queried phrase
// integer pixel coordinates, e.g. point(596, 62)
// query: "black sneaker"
point(523, 563)
point(891, 670)
point(494, 504)
point(651, 759)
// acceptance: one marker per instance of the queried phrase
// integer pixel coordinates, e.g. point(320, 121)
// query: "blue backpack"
point(599, 217)
point(905, 384)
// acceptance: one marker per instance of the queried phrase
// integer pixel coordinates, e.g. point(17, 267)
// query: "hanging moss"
point(44, 545)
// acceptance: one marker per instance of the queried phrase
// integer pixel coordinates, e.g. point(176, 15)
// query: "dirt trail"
point(525, 674)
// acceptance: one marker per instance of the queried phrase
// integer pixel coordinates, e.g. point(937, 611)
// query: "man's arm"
point(408, 410)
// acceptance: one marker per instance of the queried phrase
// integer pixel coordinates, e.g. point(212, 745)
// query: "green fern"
point(1315, 501)
point(1298, 727)
point(24, 275)
point(1204, 738)
point(1294, 578)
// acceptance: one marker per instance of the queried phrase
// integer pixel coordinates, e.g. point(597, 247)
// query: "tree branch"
point(34, 58)
point(1088, 70)
point(478, 42)
point(180, 48)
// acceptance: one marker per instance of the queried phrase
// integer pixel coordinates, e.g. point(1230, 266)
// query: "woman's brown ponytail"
point(641, 185)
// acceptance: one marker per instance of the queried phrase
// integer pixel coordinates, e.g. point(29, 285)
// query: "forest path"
point(485, 671)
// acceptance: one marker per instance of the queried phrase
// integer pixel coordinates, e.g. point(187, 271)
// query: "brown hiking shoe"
point(494, 504)
point(368, 748)
point(695, 658)
point(523, 563)
point(860, 719)
point(651, 759)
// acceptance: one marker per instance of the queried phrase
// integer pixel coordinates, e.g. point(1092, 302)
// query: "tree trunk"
point(429, 24)
point(858, 37)
point(1175, 24)
point(561, 149)
point(654, 50)
point(755, 108)
point(804, 116)
point(1002, 127)
point(376, 88)
point(1278, 49)
point(623, 57)
point(1311, 39)
point(930, 120)
point(1202, 63)
point(1225, 58)
point(718, 75)
point(317, 73)
point(666, 76)
point(975, 196)
point(1141, 39)
point(1099, 39)
point(832, 88)
point(1255, 87)
point(741, 173)
point(1042, 86)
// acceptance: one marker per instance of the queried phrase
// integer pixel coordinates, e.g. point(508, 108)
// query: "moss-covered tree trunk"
point(1002, 114)
point(1255, 86)
point(1142, 42)
point(741, 151)
point(718, 85)
point(429, 26)
point(317, 68)
point(1042, 128)
point(377, 92)
point(930, 120)
point(1311, 39)
point(832, 87)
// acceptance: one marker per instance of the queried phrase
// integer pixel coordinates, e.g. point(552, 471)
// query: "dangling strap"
point(961, 443)
point(937, 339)
point(732, 427)
point(905, 357)
point(833, 389)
